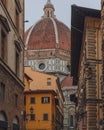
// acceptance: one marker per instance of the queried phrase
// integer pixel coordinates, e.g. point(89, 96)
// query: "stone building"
point(11, 64)
point(87, 72)
point(102, 29)
point(69, 92)
point(47, 44)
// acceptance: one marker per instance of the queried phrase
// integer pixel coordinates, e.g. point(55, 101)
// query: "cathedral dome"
point(47, 44)
point(48, 33)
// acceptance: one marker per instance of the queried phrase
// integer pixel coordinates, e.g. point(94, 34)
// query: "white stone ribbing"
point(28, 35)
point(56, 33)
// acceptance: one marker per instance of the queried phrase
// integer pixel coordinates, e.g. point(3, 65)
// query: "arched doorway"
point(3, 121)
point(16, 125)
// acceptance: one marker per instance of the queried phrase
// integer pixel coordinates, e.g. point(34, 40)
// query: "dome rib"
point(29, 34)
point(56, 32)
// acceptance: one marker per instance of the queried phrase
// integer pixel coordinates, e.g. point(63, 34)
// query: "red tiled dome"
point(48, 33)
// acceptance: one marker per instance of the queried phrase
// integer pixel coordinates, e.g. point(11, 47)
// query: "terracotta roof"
point(67, 82)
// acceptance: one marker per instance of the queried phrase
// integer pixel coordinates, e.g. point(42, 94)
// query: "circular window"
point(41, 66)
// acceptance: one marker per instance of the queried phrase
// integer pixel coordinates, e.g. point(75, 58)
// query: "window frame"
point(2, 85)
point(3, 44)
point(49, 81)
point(71, 121)
point(16, 100)
point(4, 28)
point(17, 57)
point(45, 117)
point(32, 117)
point(45, 100)
point(32, 102)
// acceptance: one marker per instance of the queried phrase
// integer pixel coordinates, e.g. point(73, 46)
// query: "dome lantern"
point(49, 10)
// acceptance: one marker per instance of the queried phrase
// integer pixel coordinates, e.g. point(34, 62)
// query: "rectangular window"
point(3, 45)
point(56, 101)
point(32, 100)
point(71, 121)
point(49, 81)
point(45, 100)
point(24, 100)
point(32, 117)
point(17, 20)
point(4, 30)
point(2, 90)
point(72, 97)
point(16, 100)
point(17, 63)
point(45, 117)
point(17, 57)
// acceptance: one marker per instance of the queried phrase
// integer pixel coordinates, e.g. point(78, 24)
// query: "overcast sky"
point(34, 9)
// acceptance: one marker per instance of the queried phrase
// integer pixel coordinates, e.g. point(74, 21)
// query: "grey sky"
point(34, 9)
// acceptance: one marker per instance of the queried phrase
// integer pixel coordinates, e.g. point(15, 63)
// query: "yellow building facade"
point(44, 101)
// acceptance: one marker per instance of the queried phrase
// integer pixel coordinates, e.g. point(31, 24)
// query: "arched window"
point(3, 121)
point(16, 123)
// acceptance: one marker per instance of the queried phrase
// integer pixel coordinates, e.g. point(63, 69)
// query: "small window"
point(71, 121)
point(24, 100)
point(45, 100)
point(16, 100)
point(32, 100)
point(3, 37)
point(32, 117)
point(45, 117)
point(72, 97)
point(3, 45)
point(17, 20)
point(18, 10)
point(17, 63)
point(49, 81)
point(68, 68)
point(17, 57)
point(2, 90)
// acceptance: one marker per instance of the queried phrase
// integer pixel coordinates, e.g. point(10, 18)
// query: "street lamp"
point(28, 115)
point(31, 110)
